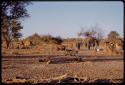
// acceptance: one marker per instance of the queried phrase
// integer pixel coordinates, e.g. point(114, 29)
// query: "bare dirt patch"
point(33, 71)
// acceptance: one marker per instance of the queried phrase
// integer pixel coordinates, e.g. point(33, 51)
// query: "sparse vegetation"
point(47, 59)
point(48, 44)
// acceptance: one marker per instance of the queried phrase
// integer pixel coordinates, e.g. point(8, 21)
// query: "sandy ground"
point(33, 71)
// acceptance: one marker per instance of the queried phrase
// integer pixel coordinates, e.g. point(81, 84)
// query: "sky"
point(66, 19)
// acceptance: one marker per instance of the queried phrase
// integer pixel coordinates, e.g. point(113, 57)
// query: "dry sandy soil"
point(86, 70)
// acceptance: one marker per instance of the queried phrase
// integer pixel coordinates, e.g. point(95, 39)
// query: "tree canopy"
point(113, 34)
point(11, 13)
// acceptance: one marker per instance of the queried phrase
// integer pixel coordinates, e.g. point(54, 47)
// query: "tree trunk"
point(7, 40)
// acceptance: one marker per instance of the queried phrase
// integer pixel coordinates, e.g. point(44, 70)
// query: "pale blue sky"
point(65, 18)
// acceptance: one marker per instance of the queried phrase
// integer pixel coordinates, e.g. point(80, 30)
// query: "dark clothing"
point(78, 45)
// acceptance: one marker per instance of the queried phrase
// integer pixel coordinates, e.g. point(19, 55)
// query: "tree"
point(91, 37)
point(93, 31)
point(114, 42)
point(98, 32)
point(11, 13)
point(87, 33)
point(113, 35)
